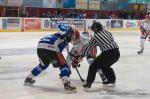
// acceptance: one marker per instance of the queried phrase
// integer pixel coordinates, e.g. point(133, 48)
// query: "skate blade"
point(109, 85)
point(103, 88)
point(27, 84)
point(69, 92)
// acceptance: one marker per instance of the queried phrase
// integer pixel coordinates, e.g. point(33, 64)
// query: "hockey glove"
point(143, 31)
point(75, 64)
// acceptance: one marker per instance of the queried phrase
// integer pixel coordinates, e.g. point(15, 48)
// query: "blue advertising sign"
point(69, 3)
point(33, 3)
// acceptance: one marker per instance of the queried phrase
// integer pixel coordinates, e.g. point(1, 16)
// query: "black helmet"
point(69, 33)
point(96, 27)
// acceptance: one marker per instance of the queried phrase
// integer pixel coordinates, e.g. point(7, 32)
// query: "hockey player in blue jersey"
point(49, 50)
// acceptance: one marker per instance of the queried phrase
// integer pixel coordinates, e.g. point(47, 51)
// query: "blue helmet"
point(62, 27)
point(67, 29)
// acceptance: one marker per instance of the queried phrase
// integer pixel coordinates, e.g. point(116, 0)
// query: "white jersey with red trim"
point(146, 26)
point(78, 48)
point(84, 40)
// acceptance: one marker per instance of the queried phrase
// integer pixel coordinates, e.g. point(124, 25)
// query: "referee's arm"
point(89, 47)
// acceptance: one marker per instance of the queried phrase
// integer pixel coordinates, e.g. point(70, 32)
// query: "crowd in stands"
point(74, 13)
point(97, 15)
point(69, 14)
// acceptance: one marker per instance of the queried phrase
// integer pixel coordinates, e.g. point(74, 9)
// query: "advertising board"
point(46, 24)
point(11, 24)
point(32, 24)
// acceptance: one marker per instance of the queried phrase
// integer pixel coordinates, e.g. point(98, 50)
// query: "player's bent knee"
point(37, 70)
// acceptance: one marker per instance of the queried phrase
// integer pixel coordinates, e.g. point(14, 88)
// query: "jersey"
point(145, 27)
point(55, 42)
point(78, 48)
point(84, 40)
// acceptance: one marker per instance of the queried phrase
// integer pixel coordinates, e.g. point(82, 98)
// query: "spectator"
point(49, 14)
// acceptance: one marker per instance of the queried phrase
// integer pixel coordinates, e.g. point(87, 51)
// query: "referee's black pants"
point(104, 62)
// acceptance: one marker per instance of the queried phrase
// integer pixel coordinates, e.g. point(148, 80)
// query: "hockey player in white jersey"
point(49, 50)
point(74, 56)
point(145, 32)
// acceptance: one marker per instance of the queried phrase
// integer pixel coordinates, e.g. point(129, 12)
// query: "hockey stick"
point(76, 67)
point(79, 75)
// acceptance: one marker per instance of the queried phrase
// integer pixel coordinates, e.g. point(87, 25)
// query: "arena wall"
point(14, 24)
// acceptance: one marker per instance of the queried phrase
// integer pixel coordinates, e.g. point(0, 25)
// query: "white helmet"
point(85, 37)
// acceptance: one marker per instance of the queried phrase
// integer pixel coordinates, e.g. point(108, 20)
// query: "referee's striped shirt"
point(103, 39)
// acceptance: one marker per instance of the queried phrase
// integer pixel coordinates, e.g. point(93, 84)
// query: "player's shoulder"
point(57, 34)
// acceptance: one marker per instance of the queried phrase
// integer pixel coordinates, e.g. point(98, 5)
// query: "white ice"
point(18, 58)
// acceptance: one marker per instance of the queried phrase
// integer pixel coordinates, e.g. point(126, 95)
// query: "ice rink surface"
point(18, 52)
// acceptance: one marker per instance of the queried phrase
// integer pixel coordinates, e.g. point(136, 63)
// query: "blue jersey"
point(55, 42)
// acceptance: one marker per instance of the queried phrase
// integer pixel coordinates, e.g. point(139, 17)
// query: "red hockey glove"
point(143, 31)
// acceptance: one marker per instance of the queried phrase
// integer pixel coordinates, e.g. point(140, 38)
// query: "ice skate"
point(29, 81)
point(140, 52)
point(69, 88)
point(87, 86)
point(109, 84)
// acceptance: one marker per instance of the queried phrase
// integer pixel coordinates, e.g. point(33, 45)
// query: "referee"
point(109, 55)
